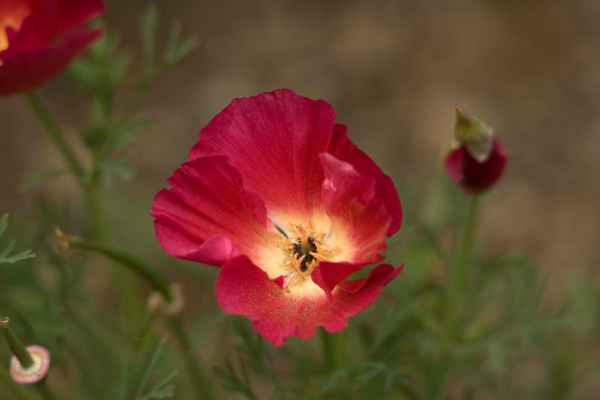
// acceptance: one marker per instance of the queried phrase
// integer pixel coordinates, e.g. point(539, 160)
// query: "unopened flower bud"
point(28, 364)
point(478, 158)
point(156, 301)
point(61, 239)
point(37, 371)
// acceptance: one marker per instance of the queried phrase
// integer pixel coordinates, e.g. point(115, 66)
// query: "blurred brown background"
point(393, 71)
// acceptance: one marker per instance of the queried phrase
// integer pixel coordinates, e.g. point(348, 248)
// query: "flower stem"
point(459, 275)
point(334, 348)
point(140, 267)
point(15, 345)
point(89, 186)
point(44, 389)
point(20, 391)
point(462, 272)
point(98, 228)
point(56, 135)
point(89, 183)
point(201, 383)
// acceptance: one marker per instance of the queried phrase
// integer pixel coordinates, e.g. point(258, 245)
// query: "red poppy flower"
point(478, 159)
point(38, 38)
point(279, 198)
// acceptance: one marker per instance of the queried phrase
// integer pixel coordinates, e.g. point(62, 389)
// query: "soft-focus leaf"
point(177, 48)
point(355, 376)
point(151, 365)
point(4, 255)
point(148, 32)
point(110, 168)
point(40, 177)
point(161, 391)
point(233, 382)
point(124, 133)
point(3, 223)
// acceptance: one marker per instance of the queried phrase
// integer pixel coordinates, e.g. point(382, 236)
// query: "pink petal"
point(472, 175)
point(243, 288)
point(72, 13)
point(207, 215)
point(327, 275)
point(25, 71)
point(51, 19)
point(382, 274)
point(343, 149)
point(274, 140)
point(360, 220)
point(455, 164)
point(35, 373)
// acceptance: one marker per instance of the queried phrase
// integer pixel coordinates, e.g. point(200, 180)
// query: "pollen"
point(303, 250)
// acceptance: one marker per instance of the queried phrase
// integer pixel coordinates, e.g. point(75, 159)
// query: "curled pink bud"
point(37, 371)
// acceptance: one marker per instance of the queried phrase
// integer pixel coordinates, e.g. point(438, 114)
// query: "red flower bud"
point(478, 158)
point(39, 38)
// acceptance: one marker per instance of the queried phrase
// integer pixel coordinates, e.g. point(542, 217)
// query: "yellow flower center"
point(303, 250)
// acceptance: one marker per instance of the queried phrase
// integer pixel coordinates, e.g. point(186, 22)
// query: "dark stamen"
point(301, 249)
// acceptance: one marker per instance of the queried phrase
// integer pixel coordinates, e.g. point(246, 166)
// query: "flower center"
point(304, 253)
point(303, 250)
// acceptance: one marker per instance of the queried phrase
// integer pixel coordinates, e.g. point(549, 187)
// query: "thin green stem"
point(464, 260)
point(459, 274)
point(53, 131)
point(248, 391)
point(195, 370)
point(15, 345)
point(89, 183)
point(98, 228)
point(44, 389)
point(21, 392)
point(334, 349)
point(133, 263)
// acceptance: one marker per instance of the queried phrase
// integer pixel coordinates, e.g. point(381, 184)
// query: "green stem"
point(140, 267)
point(15, 345)
point(56, 135)
point(199, 378)
point(334, 348)
point(459, 275)
point(98, 228)
point(464, 261)
point(89, 186)
point(89, 183)
point(21, 392)
point(44, 389)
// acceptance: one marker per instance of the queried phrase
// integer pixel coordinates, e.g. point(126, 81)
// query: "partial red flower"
point(478, 158)
point(278, 197)
point(38, 38)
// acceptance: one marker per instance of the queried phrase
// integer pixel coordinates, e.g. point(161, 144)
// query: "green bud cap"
point(474, 134)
